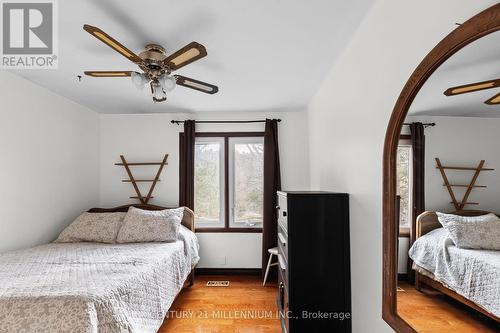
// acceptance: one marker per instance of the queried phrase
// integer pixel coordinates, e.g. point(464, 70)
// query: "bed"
point(471, 277)
point(95, 287)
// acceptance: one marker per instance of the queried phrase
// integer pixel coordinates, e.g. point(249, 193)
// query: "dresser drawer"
point(283, 243)
point(283, 269)
point(282, 212)
point(283, 305)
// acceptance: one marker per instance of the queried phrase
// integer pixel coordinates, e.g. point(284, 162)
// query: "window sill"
point(233, 230)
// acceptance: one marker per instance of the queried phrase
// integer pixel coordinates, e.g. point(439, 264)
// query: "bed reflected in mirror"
point(448, 190)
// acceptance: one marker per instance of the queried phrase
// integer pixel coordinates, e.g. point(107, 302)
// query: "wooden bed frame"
point(187, 219)
point(426, 222)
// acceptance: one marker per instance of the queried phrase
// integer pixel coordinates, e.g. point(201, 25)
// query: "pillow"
point(150, 226)
point(93, 227)
point(472, 232)
point(445, 218)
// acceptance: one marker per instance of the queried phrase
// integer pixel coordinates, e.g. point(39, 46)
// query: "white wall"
point(49, 169)
point(148, 137)
point(348, 118)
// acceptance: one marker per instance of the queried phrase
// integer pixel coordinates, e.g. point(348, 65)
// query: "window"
point(229, 181)
point(209, 182)
point(246, 181)
point(404, 183)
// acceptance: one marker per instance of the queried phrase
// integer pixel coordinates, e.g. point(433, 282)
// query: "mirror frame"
point(482, 24)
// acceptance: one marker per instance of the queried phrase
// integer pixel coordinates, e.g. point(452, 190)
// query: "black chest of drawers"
point(314, 262)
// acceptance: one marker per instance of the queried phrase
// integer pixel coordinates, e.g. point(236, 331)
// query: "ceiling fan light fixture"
point(156, 66)
point(139, 80)
point(168, 82)
point(159, 95)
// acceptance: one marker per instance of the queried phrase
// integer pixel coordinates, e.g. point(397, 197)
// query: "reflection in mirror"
point(449, 265)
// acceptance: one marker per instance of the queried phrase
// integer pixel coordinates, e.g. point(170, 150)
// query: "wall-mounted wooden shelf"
point(133, 181)
point(457, 185)
point(142, 163)
point(464, 168)
point(477, 170)
point(140, 180)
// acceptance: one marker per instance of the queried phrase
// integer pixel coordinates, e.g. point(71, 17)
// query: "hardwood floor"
point(434, 312)
point(202, 309)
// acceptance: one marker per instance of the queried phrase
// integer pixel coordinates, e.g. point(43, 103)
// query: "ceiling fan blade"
point(189, 53)
point(113, 43)
point(494, 100)
point(108, 73)
point(196, 85)
point(472, 87)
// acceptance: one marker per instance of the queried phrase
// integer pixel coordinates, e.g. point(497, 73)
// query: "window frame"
point(404, 232)
point(225, 193)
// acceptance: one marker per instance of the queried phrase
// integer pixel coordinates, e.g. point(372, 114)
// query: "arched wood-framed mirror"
point(481, 25)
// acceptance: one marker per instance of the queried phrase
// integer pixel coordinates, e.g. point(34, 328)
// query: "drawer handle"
point(284, 213)
point(281, 294)
point(282, 239)
point(277, 207)
point(281, 262)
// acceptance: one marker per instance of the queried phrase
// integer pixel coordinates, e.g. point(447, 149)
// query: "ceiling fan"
point(156, 66)
point(467, 88)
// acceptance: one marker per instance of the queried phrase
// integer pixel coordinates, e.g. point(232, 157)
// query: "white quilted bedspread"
point(91, 287)
point(474, 274)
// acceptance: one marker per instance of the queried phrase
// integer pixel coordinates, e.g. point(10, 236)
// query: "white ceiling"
point(478, 61)
point(263, 55)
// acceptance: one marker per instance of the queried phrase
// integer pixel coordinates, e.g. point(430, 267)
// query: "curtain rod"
point(425, 124)
point(178, 122)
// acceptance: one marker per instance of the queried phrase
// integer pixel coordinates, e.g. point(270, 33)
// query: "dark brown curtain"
point(272, 183)
point(186, 165)
point(418, 195)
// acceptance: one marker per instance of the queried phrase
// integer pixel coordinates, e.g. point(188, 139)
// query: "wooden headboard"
point(428, 221)
point(187, 219)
